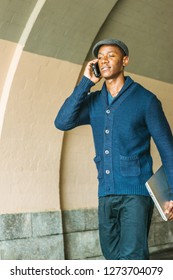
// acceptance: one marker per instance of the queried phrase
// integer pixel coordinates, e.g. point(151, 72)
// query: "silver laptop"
point(159, 191)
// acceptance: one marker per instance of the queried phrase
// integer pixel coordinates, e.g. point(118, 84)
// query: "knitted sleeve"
point(74, 111)
point(161, 133)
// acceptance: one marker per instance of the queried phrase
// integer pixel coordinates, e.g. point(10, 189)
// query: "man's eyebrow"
point(107, 52)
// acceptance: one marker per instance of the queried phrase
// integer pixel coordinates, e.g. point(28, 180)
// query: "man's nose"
point(104, 59)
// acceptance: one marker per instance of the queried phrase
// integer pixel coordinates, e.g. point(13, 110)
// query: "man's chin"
point(106, 75)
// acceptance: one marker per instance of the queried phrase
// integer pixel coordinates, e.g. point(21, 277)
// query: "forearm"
point(74, 111)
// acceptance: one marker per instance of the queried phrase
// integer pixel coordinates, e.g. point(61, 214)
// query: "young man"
point(123, 116)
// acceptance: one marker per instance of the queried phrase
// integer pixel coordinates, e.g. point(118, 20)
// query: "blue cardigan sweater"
point(122, 132)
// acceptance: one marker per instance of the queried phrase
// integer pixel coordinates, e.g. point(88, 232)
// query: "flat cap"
point(115, 42)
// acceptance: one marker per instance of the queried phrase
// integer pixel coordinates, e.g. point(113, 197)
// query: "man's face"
point(111, 61)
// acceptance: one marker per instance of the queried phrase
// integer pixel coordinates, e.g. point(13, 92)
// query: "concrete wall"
point(31, 236)
point(47, 178)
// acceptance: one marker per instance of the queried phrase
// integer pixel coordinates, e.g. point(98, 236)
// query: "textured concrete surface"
point(31, 236)
point(165, 254)
point(68, 235)
point(45, 248)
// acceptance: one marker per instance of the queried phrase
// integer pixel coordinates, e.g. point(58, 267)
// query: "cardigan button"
point(107, 131)
point(108, 111)
point(107, 172)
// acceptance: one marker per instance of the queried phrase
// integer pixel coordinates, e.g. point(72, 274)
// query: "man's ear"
point(125, 60)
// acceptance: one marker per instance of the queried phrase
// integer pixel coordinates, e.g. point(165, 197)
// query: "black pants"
point(124, 222)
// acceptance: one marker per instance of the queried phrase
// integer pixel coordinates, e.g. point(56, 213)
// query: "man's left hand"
point(169, 210)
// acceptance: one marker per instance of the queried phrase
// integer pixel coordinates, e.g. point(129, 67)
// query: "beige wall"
point(30, 146)
point(6, 53)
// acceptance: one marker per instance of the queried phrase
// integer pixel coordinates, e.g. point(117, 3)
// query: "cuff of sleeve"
point(86, 83)
point(82, 88)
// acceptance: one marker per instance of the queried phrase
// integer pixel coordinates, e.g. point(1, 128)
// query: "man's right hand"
point(89, 72)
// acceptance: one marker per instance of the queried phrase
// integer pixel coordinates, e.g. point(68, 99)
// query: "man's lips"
point(105, 68)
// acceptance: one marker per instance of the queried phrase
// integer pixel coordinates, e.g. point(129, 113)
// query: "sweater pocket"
point(130, 166)
point(98, 161)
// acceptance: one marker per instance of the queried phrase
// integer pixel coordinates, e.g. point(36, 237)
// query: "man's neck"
point(115, 85)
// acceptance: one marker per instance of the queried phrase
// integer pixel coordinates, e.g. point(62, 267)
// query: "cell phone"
point(96, 70)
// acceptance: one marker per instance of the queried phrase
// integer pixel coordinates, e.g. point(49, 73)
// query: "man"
point(123, 116)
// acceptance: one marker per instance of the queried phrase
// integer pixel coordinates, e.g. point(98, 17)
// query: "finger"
point(170, 206)
point(170, 216)
point(92, 61)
